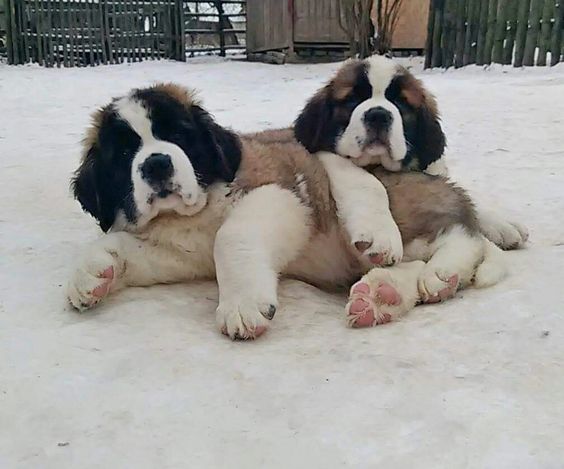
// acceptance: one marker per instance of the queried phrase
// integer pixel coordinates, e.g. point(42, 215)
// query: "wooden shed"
point(295, 30)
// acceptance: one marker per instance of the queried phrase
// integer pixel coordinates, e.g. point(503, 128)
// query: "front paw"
point(244, 319)
point(92, 280)
point(381, 247)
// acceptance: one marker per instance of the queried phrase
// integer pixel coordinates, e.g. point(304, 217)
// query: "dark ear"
point(312, 127)
point(430, 141)
point(227, 152)
point(86, 191)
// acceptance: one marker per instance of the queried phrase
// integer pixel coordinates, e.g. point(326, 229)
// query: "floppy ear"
point(430, 141)
point(312, 126)
point(227, 152)
point(86, 191)
point(223, 145)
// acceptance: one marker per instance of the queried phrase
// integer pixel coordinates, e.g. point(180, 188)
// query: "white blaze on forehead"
point(381, 72)
point(131, 110)
point(189, 197)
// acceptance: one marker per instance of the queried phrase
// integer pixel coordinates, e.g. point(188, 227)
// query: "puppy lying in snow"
point(374, 112)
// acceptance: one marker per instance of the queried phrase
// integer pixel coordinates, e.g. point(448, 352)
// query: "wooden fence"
point(518, 32)
point(74, 33)
point(212, 28)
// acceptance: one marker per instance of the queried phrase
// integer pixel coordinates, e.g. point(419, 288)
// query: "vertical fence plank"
point(533, 33)
point(49, 31)
point(437, 59)
point(461, 31)
point(9, 33)
point(522, 29)
point(492, 13)
point(557, 32)
point(24, 32)
point(512, 8)
point(470, 26)
point(63, 31)
point(482, 31)
point(449, 33)
point(500, 31)
point(430, 29)
point(104, 41)
point(546, 29)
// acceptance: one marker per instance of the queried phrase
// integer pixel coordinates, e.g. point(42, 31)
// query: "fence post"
point(500, 31)
point(511, 33)
point(221, 24)
point(555, 48)
point(533, 33)
point(430, 28)
point(462, 14)
point(490, 34)
point(522, 28)
point(437, 59)
point(482, 30)
point(544, 38)
point(9, 45)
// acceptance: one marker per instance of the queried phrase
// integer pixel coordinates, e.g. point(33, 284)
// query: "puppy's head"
point(374, 112)
point(154, 150)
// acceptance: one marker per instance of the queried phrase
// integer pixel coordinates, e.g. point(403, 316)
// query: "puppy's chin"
point(377, 154)
point(172, 204)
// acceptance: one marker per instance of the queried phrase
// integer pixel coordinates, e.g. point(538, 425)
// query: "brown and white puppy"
point(183, 198)
point(374, 111)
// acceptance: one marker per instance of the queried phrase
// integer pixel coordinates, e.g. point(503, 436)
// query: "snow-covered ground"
point(145, 381)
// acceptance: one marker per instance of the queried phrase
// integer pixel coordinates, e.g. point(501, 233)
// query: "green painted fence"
point(518, 32)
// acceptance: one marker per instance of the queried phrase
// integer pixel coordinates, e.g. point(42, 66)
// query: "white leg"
point(263, 233)
point(455, 257)
point(384, 294)
point(504, 233)
point(117, 260)
point(364, 210)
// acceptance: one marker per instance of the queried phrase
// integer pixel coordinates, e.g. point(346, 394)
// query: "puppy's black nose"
point(378, 118)
point(157, 168)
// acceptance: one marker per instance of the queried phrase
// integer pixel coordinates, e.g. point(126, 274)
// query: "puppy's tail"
point(492, 269)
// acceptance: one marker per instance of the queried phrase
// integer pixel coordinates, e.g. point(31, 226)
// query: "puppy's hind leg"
point(384, 294)
point(455, 256)
point(264, 232)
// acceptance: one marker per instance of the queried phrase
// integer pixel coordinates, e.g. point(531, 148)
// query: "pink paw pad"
point(388, 294)
point(361, 314)
point(446, 292)
point(102, 290)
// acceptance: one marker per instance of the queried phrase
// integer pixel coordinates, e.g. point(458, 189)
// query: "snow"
point(145, 380)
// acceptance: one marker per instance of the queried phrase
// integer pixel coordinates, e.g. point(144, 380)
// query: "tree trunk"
point(533, 33)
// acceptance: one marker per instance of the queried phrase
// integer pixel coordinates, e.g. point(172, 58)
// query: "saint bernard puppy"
point(182, 198)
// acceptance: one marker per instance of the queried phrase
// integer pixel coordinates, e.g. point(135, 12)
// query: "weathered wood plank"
point(533, 33)
point(482, 31)
point(546, 29)
point(500, 31)
point(557, 34)
point(461, 31)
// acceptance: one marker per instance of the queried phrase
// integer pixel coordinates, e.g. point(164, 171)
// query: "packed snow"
point(146, 381)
